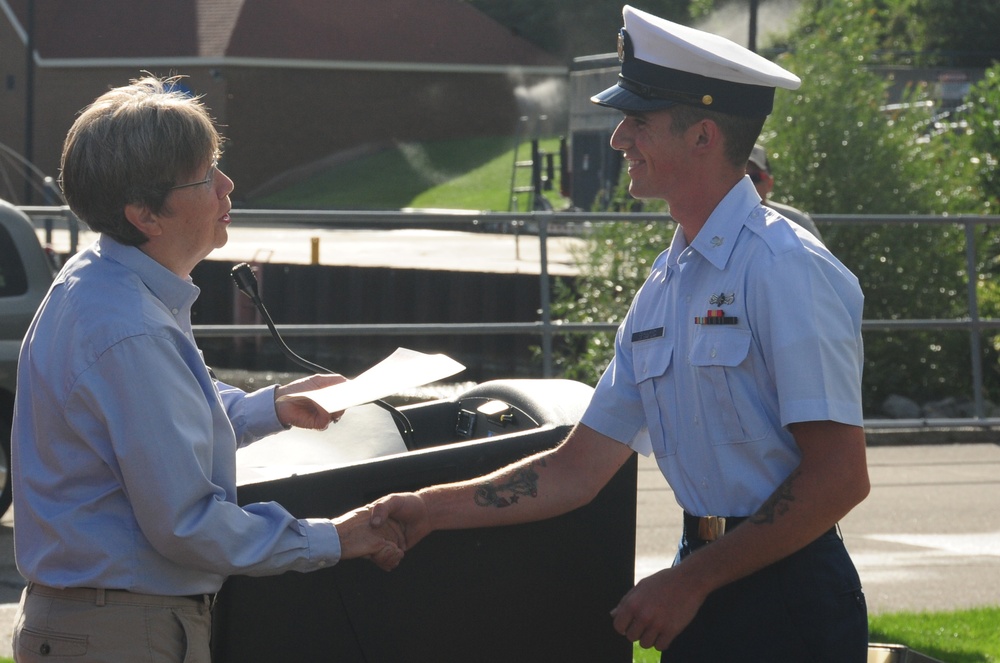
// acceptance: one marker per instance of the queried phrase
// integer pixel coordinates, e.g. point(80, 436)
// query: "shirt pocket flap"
point(720, 347)
point(651, 358)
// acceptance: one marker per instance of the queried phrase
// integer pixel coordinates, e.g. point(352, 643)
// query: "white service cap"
point(665, 63)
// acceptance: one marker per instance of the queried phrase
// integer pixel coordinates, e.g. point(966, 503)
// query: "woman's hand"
point(300, 411)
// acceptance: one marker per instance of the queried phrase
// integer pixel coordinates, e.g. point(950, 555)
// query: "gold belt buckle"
point(711, 528)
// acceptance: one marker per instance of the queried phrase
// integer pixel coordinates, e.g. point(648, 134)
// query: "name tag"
point(647, 334)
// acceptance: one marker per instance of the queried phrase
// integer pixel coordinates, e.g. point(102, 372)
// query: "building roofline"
point(281, 63)
point(14, 23)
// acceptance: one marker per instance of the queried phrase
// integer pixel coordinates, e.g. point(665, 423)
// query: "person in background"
point(738, 365)
point(124, 444)
point(759, 170)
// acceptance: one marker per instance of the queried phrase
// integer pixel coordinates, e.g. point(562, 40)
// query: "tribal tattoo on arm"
point(778, 503)
point(507, 490)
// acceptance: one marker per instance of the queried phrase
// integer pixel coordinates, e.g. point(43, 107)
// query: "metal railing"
point(540, 225)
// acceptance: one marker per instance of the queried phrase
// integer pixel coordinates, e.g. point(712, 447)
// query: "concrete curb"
point(920, 436)
point(7, 612)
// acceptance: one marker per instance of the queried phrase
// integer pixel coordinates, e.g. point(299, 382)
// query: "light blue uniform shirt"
point(124, 447)
point(712, 401)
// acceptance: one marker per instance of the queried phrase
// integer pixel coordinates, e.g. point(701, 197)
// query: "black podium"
point(536, 592)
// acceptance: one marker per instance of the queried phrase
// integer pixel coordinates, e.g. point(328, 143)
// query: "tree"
point(957, 33)
point(981, 141)
point(616, 261)
point(571, 29)
point(836, 149)
point(839, 151)
point(983, 135)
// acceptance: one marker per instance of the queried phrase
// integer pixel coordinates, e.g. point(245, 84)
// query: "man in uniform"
point(738, 366)
point(759, 170)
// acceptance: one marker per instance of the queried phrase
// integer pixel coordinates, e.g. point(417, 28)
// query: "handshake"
point(383, 530)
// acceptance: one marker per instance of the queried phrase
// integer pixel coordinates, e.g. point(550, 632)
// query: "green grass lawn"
point(963, 636)
point(457, 174)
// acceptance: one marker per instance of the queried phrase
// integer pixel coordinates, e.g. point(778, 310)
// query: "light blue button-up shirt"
point(751, 327)
point(124, 446)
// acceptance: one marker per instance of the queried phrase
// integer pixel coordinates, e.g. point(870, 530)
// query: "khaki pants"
point(99, 626)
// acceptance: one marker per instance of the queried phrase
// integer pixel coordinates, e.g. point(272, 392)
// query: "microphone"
point(246, 281)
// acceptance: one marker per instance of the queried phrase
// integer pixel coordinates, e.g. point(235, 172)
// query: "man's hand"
point(406, 509)
point(658, 608)
point(300, 411)
point(359, 538)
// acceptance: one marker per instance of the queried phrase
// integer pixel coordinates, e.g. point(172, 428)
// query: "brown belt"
point(99, 596)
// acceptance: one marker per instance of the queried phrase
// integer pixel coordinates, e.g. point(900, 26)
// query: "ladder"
point(540, 181)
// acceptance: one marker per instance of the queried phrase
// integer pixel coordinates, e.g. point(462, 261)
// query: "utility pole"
point(752, 38)
point(29, 102)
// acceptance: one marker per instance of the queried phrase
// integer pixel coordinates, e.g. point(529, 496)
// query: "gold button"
point(707, 100)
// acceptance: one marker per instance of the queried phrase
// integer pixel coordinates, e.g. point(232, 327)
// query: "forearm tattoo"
point(509, 489)
point(778, 503)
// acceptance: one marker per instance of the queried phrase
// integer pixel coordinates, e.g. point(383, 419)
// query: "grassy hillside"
point(458, 174)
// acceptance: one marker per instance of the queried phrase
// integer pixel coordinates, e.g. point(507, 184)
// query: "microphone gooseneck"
point(246, 281)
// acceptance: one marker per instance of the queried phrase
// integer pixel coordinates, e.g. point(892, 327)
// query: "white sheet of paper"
point(403, 369)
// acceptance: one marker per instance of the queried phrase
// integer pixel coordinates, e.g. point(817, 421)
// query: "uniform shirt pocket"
point(730, 405)
point(651, 362)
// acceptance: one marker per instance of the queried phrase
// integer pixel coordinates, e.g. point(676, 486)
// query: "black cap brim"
point(621, 99)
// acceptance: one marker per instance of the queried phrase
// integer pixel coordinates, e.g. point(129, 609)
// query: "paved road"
point(927, 538)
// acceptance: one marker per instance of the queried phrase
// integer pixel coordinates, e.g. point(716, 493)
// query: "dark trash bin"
point(535, 592)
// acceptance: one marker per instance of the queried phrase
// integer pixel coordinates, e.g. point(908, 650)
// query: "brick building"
point(294, 83)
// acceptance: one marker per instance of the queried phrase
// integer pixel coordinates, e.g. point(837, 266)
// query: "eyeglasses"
point(208, 178)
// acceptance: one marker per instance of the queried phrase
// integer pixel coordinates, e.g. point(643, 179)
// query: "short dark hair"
point(741, 133)
point(129, 147)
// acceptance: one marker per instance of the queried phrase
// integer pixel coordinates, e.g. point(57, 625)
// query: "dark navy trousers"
point(806, 607)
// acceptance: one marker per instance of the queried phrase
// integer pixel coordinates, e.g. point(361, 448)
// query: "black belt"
point(709, 528)
point(705, 529)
